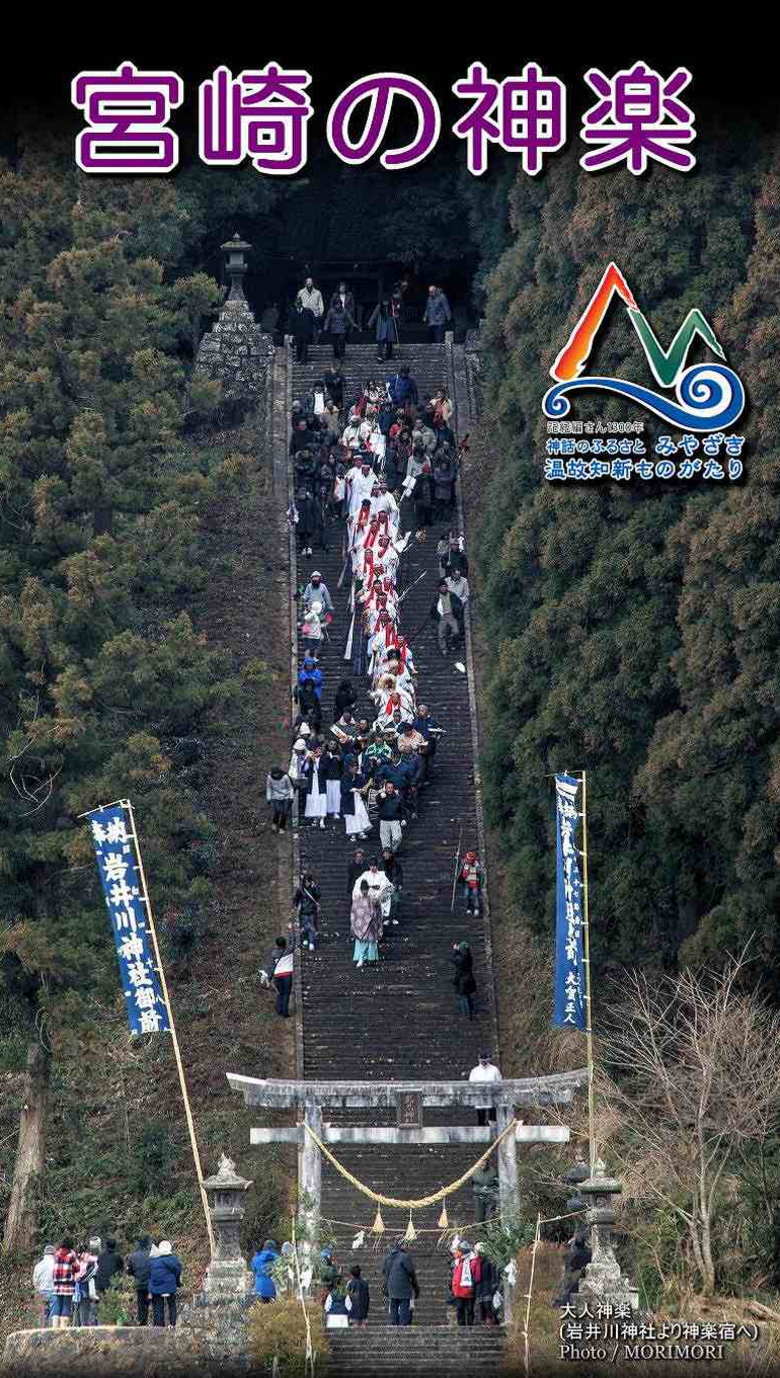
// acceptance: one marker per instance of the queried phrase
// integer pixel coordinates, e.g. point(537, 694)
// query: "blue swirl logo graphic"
point(709, 397)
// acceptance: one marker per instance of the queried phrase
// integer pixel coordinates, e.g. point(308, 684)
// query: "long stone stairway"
point(399, 1021)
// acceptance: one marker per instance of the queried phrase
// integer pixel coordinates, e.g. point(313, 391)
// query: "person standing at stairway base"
point(400, 1284)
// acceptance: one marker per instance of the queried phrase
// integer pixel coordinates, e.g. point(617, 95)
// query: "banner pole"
point(174, 1039)
point(586, 963)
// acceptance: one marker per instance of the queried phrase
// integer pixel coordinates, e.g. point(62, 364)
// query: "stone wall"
point(237, 354)
point(106, 1351)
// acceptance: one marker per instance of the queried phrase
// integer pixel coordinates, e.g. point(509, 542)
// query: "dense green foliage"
point(636, 624)
point(102, 671)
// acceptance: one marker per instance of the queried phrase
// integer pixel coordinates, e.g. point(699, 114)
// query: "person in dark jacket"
point(422, 496)
point(345, 698)
point(306, 525)
point(307, 902)
point(356, 868)
point(139, 1266)
point(486, 1287)
point(346, 298)
point(309, 703)
point(446, 611)
point(109, 1263)
point(334, 383)
point(358, 1293)
point(463, 981)
point(382, 322)
point(437, 314)
point(578, 1256)
point(403, 388)
point(391, 812)
point(302, 325)
point(400, 1284)
point(394, 872)
point(164, 1281)
point(339, 322)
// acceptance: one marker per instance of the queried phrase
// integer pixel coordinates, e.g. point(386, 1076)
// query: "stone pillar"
point(309, 1186)
point(507, 1161)
point(507, 1185)
point(602, 1281)
point(227, 1275)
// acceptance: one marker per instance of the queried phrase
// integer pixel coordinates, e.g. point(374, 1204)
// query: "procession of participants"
point(371, 475)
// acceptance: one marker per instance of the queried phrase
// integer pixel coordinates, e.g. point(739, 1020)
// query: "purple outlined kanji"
point(637, 117)
point(525, 115)
point(125, 109)
point(260, 114)
point(380, 89)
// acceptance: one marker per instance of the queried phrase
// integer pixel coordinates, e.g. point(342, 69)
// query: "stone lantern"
point(235, 251)
point(602, 1281)
point(227, 1273)
point(574, 1177)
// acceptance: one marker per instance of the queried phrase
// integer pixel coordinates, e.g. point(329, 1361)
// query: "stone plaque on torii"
point(408, 1099)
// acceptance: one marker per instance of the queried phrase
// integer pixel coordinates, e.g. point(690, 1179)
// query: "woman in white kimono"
point(356, 820)
point(316, 789)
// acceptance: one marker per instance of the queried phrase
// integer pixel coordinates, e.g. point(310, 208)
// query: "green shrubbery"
point(278, 1331)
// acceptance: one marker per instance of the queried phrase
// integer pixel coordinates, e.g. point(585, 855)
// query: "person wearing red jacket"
point(65, 1267)
point(466, 1274)
point(470, 876)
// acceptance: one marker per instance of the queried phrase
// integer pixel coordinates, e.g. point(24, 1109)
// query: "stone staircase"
point(416, 1352)
point(399, 1021)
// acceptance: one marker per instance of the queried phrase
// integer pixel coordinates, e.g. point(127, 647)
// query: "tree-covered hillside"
point(636, 623)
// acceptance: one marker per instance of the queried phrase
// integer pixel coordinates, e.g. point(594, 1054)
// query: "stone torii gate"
point(408, 1098)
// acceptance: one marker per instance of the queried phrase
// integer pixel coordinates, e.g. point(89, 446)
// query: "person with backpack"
point(164, 1281)
point(139, 1267)
point(465, 1275)
point(280, 973)
point(359, 1297)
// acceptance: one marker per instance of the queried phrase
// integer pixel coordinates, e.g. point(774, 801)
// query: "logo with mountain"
point(707, 397)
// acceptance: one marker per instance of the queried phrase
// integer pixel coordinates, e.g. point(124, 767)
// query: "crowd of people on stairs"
point(358, 464)
point(308, 319)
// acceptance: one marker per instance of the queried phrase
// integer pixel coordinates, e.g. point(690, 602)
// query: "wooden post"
point(125, 803)
point(310, 1182)
point(588, 988)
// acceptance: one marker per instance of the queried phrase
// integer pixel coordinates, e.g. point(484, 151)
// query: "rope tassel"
point(378, 1226)
point(443, 1220)
point(411, 1232)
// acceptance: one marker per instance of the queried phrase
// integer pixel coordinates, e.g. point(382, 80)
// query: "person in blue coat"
point(261, 1266)
point(164, 1281)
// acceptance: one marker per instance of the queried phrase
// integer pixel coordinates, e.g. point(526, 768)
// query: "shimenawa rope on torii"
point(423, 1200)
